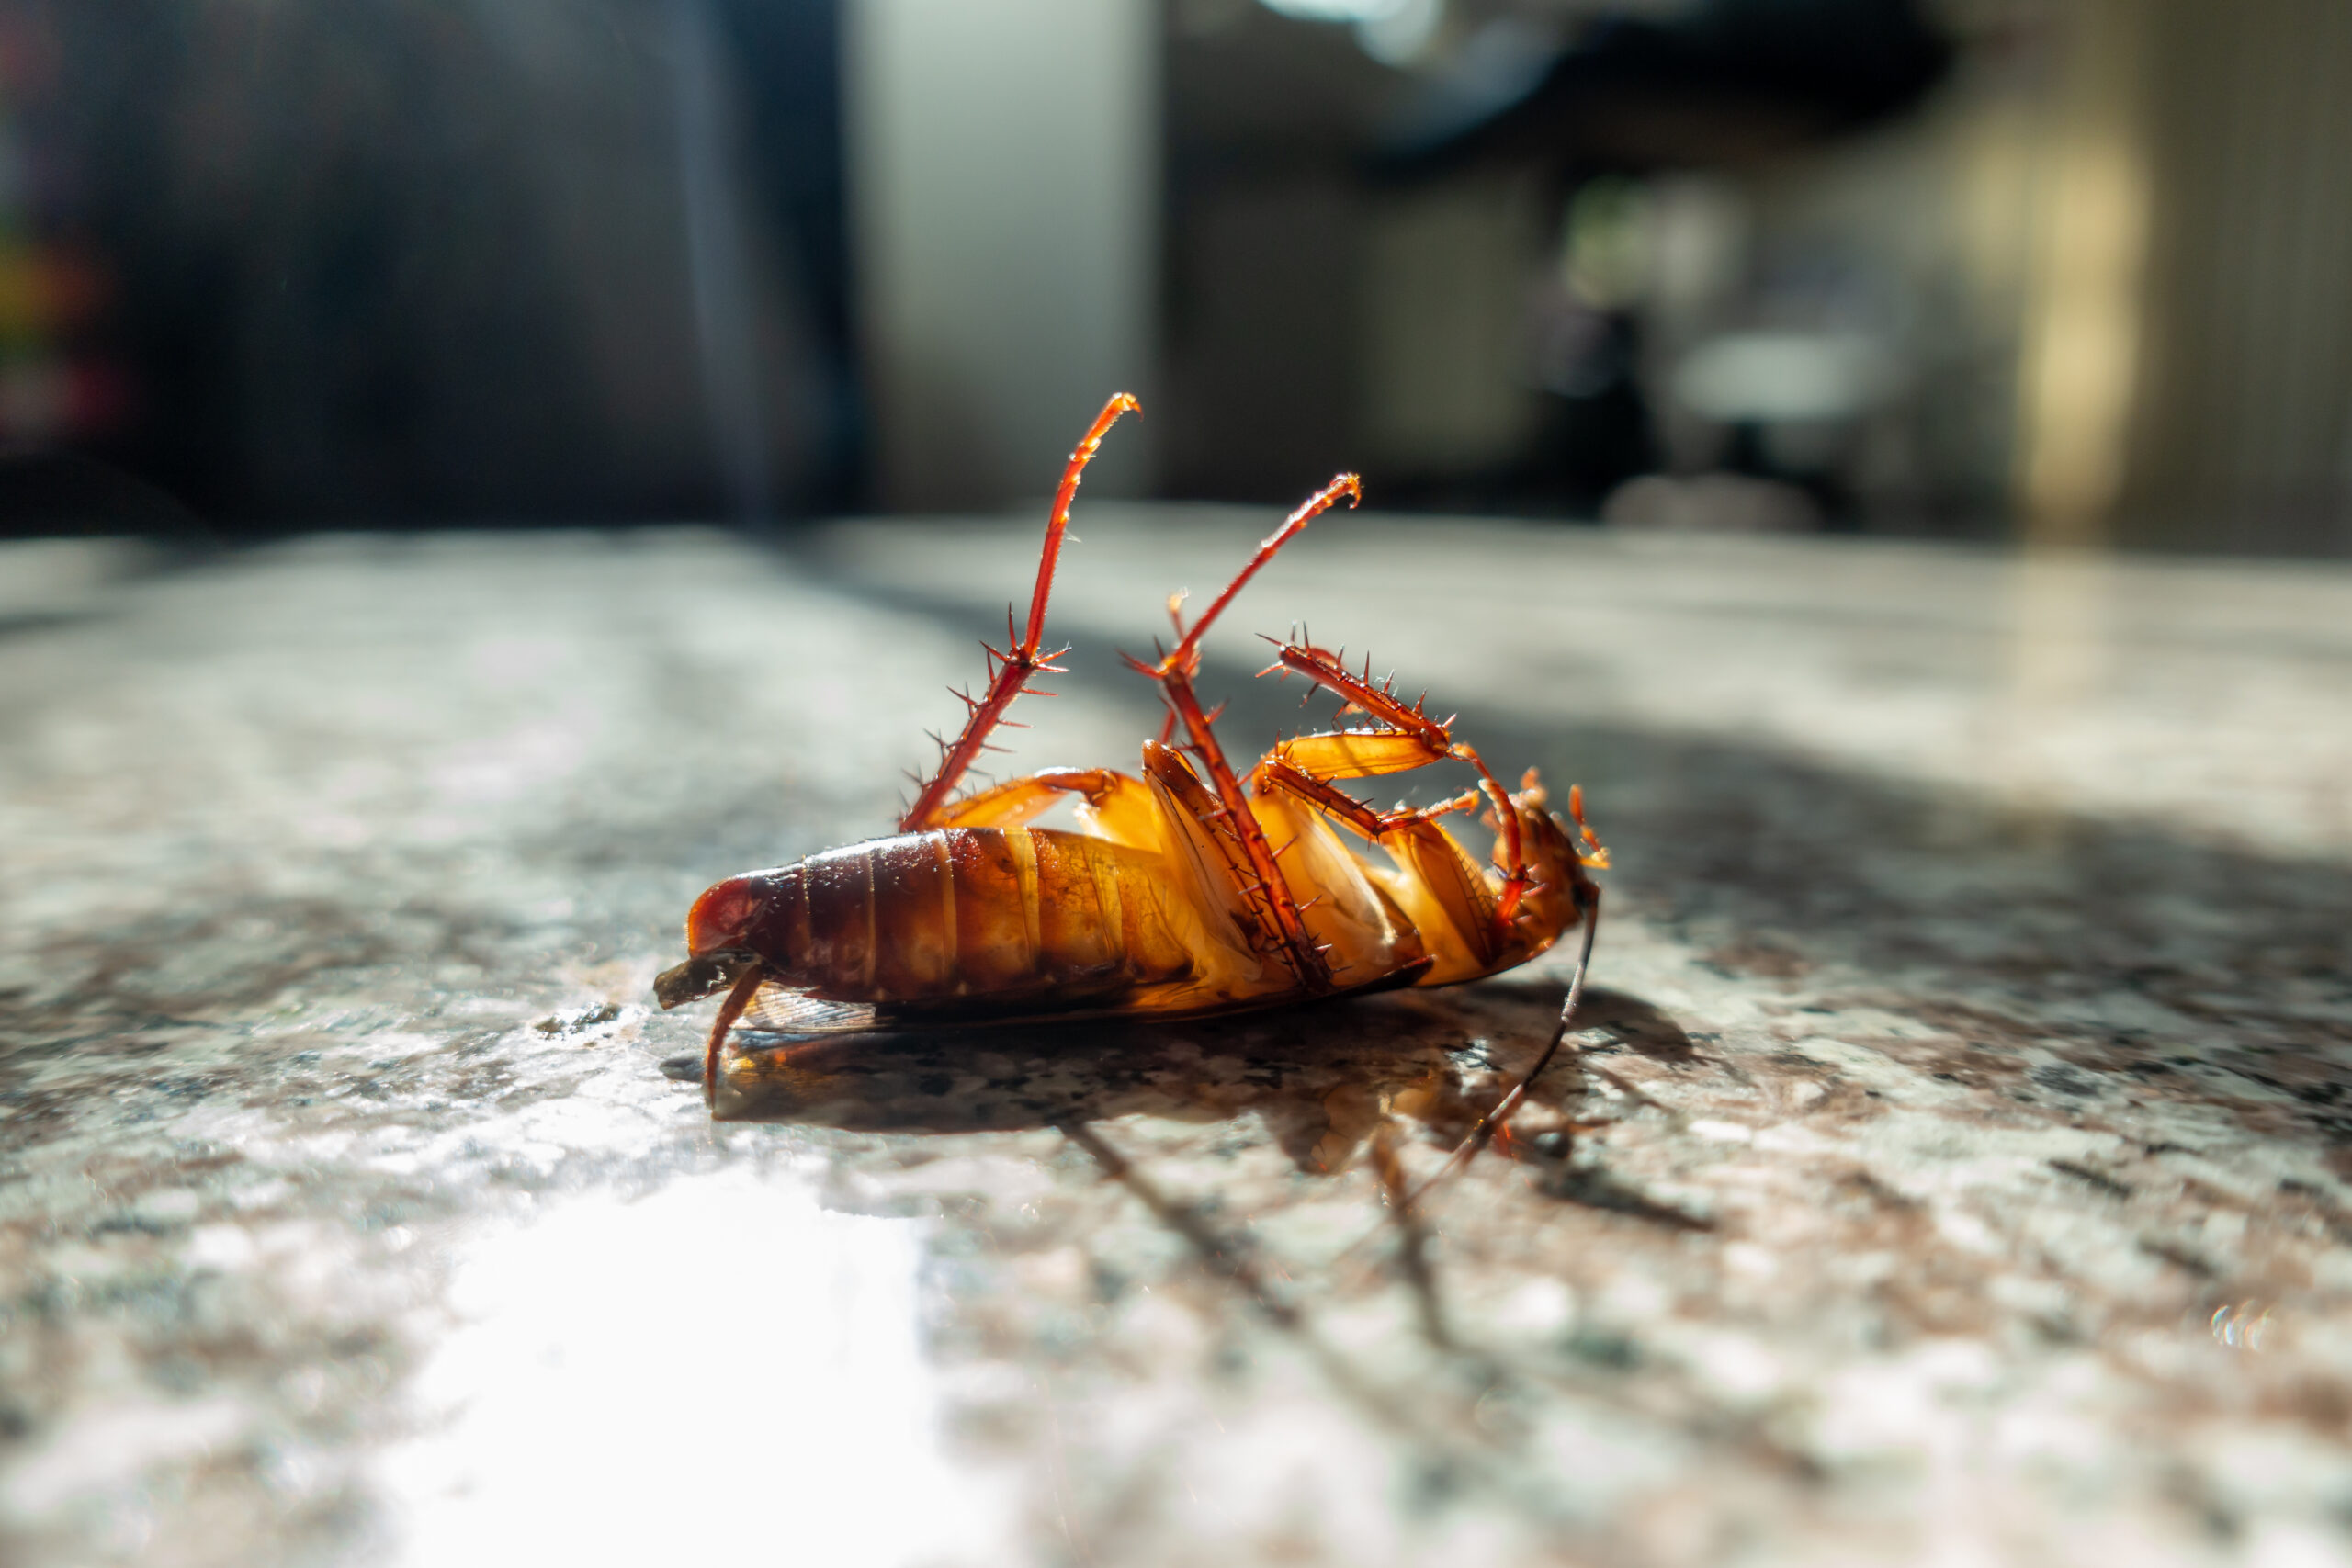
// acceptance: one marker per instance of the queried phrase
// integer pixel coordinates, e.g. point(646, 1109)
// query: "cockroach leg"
point(1187, 650)
point(1412, 724)
point(1024, 656)
point(1278, 909)
point(1175, 672)
point(1278, 771)
point(1015, 801)
point(1112, 805)
point(1407, 1204)
point(738, 999)
point(1197, 816)
point(1590, 850)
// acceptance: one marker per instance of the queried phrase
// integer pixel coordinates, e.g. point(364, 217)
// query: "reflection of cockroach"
point(1181, 894)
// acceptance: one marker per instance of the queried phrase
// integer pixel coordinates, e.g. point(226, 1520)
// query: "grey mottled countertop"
point(1955, 1165)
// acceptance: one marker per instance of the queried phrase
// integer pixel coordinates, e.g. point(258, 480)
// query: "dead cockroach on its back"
point(1187, 892)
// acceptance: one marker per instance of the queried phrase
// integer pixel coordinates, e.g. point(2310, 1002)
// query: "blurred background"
point(2072, 272)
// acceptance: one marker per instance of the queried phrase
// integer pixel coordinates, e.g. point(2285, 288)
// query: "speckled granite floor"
point(1955, 1168)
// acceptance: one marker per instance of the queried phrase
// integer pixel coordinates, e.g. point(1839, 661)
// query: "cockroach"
point(1181, 894)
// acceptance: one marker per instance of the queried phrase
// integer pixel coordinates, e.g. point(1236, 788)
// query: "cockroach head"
point(723, 934)
point(728, 913)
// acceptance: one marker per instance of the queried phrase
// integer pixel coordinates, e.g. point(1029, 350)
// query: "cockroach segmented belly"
point(954, 915)
point(1188, 888)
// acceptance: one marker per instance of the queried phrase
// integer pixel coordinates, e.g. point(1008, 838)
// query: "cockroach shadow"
point(1316, 1077)
point(1633, 1025)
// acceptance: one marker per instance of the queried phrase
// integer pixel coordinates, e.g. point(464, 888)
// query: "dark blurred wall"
point(1666, 263)
point(360, 260)
point(2240, 120)
point(2071, 271)
point(1376, 242)
point(2188, 328)
point(1268, 222)
point(1004, 158)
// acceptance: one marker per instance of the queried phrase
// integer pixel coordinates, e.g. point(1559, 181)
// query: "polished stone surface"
point(1955, 1165)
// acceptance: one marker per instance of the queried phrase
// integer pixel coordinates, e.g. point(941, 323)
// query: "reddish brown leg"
point(1484, 1131)
point(1275, 772)
point(1383, 708)
point(1277, 910)
point(1010, 670)
point(1187, 650)
point(1283, 924)
point(738, 999)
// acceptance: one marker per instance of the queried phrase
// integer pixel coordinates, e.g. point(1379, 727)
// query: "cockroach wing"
point(780, 1009)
